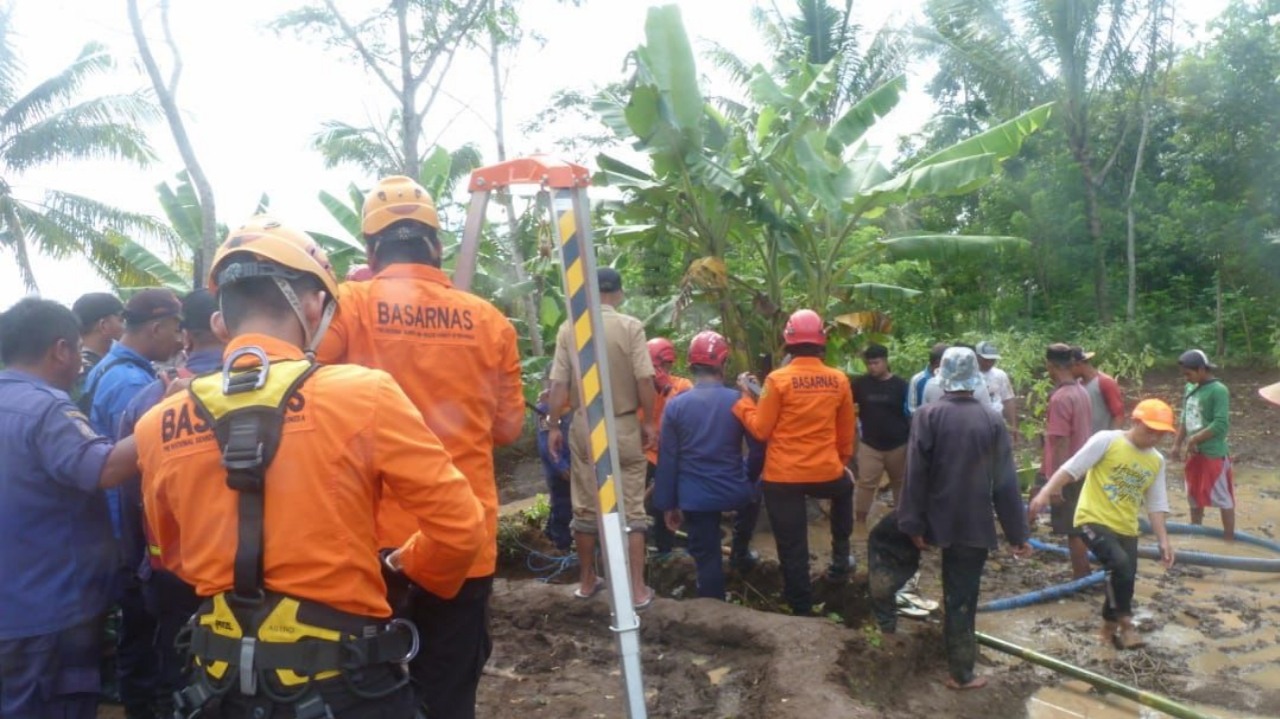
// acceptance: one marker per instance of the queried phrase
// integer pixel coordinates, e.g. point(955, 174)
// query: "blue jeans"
point(52, 675)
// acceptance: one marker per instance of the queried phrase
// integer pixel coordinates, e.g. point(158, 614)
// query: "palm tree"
point(995, 56)
point(818, 33)
point(49, 124)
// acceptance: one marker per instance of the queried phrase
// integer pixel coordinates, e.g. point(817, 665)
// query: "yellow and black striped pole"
point(570, 217)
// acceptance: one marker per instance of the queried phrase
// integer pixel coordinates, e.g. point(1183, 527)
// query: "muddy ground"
point(1215, 634)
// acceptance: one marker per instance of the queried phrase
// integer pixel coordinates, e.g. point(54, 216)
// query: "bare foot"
point(974, 683)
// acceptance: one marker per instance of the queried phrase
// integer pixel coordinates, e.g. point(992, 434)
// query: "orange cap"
point(1271, 393)
point(1154, 414)
point(397, 198)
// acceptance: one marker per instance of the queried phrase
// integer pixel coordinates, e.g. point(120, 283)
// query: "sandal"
point(577, 593)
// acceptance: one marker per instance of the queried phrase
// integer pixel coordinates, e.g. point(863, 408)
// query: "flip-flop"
point(918, 601)
point(975, 683)
point(648, 602)
point(913, 612)
point(577, 593)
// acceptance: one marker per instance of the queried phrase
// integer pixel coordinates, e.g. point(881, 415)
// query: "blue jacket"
point(700, 460)
point(550, 467)
point(115, 381)
point(57, 555)
point(132, 540)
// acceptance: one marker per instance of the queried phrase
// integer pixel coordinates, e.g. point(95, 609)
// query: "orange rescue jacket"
point(455, 356)
point(806, 414)
point(678, 385)
point(350, 435)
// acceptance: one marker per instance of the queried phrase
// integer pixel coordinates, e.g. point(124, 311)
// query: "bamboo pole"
point(1143, 697)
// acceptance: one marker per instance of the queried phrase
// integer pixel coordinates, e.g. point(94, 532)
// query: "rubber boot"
point(1108, 635)
point(1129, 638)
point(843, 563)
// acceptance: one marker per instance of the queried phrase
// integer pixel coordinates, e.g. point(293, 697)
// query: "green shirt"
point(1207, 405)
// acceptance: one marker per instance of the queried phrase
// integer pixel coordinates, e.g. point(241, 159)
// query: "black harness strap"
point(249, 437)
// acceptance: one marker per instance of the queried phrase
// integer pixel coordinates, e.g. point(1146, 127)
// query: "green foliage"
point(49, 124)
point(773, 208)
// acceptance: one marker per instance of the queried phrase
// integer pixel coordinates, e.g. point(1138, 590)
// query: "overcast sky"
point(253, 100)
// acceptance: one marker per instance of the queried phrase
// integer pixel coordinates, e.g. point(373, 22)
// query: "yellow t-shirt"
point(1117, 477)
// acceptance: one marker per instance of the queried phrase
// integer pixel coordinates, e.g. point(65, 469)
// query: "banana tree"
point(787, 205)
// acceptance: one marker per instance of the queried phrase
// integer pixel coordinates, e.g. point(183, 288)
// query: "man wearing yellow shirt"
point(1119, 469)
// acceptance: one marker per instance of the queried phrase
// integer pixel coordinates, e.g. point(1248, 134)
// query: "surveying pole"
point(564, 185)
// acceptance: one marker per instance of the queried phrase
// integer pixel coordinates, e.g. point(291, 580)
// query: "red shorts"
point(1210, 482)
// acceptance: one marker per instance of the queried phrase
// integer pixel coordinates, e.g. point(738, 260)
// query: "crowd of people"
point(283, 487)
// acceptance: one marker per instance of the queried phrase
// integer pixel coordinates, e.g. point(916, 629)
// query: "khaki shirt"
point(629, 359)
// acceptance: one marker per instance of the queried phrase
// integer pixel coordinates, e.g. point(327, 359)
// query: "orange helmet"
point(661, 350)
point(397, 198)
point(263, 247)
point(804, 327)
point(708, 348)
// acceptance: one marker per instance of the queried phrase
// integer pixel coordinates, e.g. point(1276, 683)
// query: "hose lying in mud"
point(1200, 530)
point(1186, 556)
point(1106, 684)
point(1199, 559)
point(1056, 591)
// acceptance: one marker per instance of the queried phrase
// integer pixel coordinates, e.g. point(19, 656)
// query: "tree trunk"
point(529, 307)
point(1131, 305)
point(166, 94)
point(411, 127)
point(1094, 215)
point(1220, 330)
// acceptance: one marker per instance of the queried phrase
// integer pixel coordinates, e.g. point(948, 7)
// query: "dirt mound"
point(555, 656)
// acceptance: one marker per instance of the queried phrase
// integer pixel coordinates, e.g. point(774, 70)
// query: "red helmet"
point(804, 327)
point(359, 273)
point(661, 350)
point(708, 348)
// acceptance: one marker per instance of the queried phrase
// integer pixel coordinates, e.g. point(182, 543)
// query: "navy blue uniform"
point(557, 476)
point(115, 382)
point(57, 552)
point(701, 471)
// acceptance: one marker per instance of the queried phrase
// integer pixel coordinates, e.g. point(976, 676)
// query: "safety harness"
point(250, 638)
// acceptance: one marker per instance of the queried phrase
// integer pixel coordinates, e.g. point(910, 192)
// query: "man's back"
point(806, 415)
point(455, 356)
point(628, 359)
point(346, 432)
point(959, 463)
point(702, 452)
point(1069, 416)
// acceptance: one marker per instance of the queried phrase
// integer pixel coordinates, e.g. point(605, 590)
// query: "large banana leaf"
point(346, 216)
point(882, 292)
point(1003, 140)
point(143, 260)
point(953, 177)
point(668, 57)
point(855, 122)
point(616, 173)
point(936, 247)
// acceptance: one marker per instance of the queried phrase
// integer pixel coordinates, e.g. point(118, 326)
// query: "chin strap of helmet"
point(311, 338)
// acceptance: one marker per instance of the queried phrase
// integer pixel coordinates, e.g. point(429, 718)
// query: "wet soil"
point(1214, 634)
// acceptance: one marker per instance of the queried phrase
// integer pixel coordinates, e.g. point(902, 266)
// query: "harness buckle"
point(313, 707)
point(251, 380)
point(415, 641)
point(248, 677)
